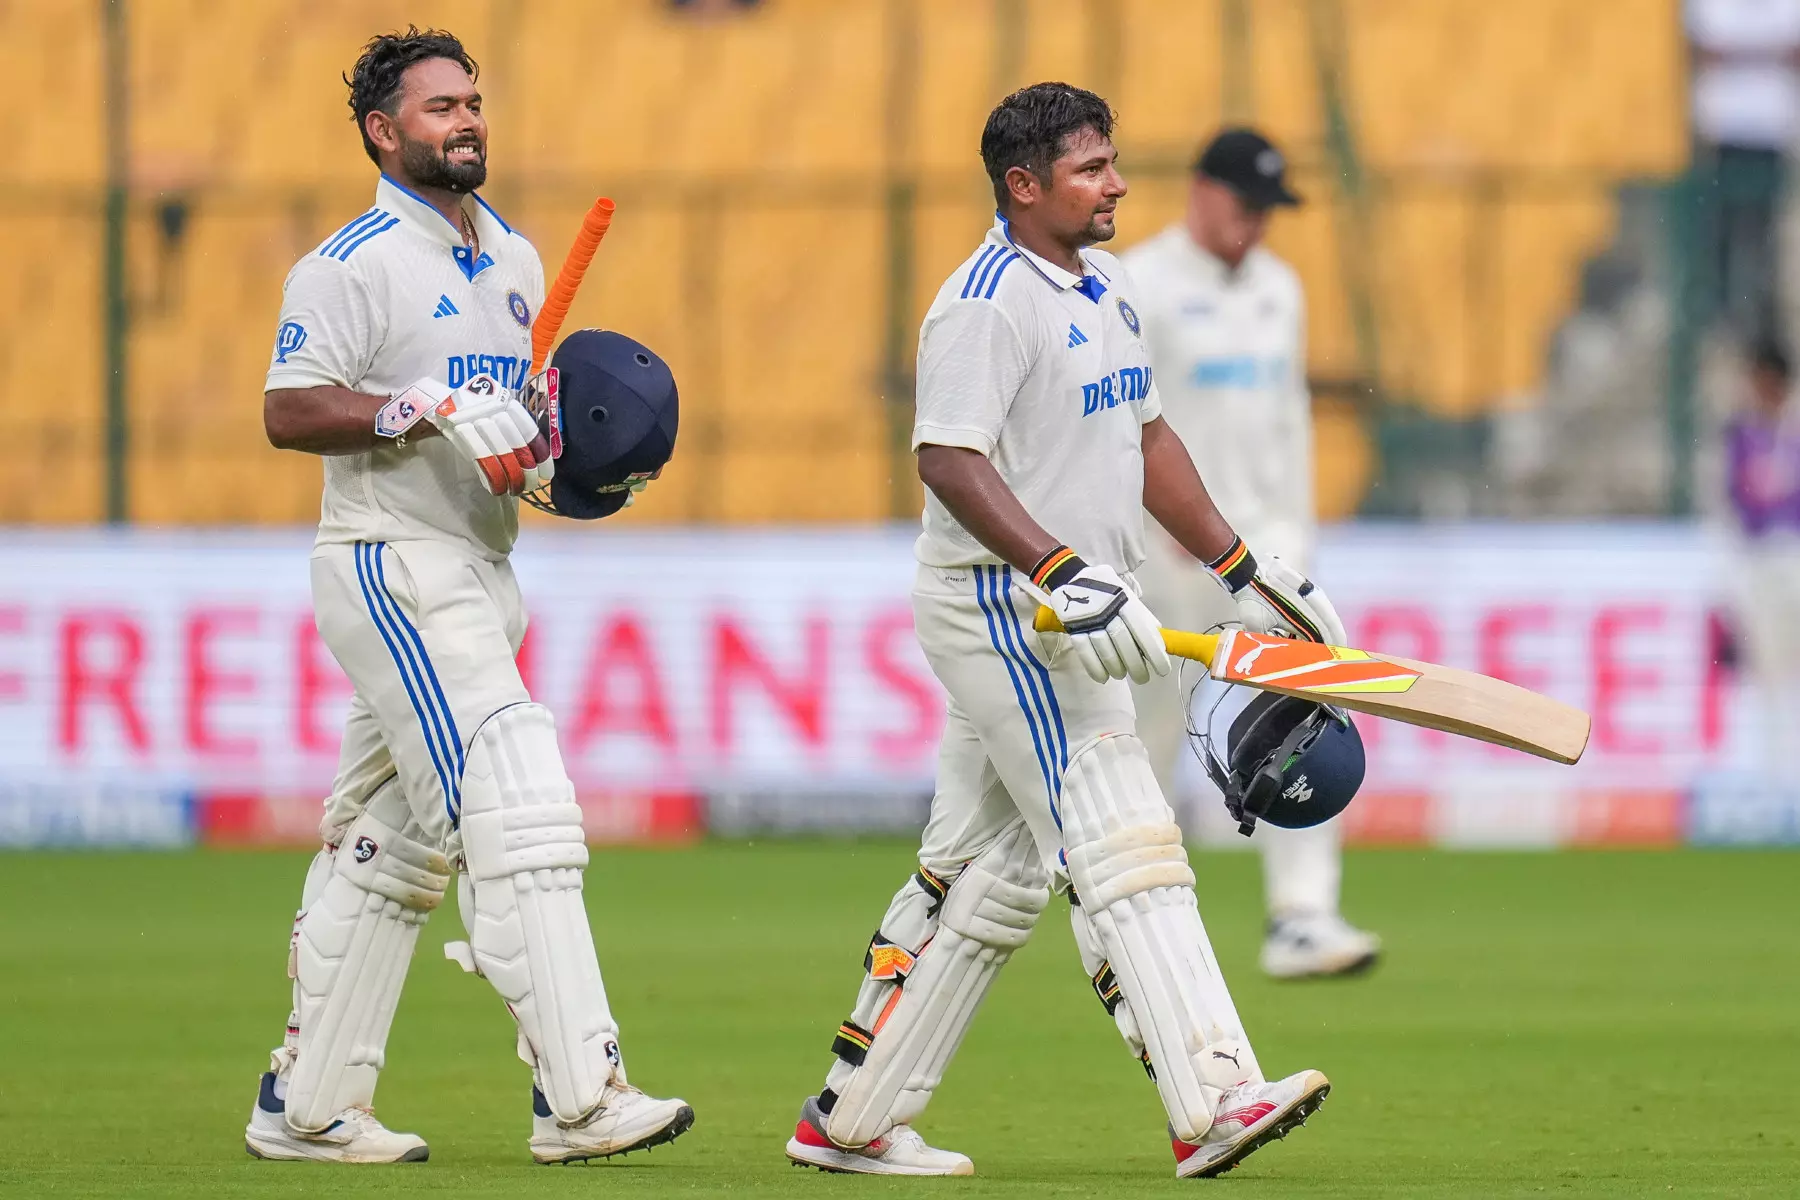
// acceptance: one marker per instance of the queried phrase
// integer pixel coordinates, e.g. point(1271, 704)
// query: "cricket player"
point(1226, 323)
point(403, 339)
point(1040, 442)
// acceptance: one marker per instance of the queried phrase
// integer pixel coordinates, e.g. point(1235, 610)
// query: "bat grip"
point(1199, 647)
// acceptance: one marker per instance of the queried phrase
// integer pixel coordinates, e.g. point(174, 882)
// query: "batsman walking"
point(1040, 441)
point(404, 340)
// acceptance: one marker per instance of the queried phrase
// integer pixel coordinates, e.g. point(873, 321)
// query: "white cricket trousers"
point(1013, 718)
point(1302, 868)
point(427, 633)
point(1768, 610)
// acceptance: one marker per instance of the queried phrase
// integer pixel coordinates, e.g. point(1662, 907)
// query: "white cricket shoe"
point(1316, 945)
point(355, 1137)
point(1250, 1116)
point(899, 1151)
point(626, 1120)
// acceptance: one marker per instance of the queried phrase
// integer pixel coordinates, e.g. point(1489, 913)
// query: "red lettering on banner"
point(206, 684)
point(802, 699)
point(1617, 680)
point(1715, 681)
point(317, 680)
point(85, 682)
point(922, 699)
point(526, 659)
point(622, 652)
point(1493, 642)
point(1410, 632)
point(12, 683)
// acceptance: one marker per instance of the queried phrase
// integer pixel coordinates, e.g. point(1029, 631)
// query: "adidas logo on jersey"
point(445, 308)
point(1076, 337)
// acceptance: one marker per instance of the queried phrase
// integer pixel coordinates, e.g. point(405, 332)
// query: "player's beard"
point(1098, 232)
point(429, 166)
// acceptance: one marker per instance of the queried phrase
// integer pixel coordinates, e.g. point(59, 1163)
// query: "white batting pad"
point(1127, 864)
point(988, 913)
point(528, 930)
point(350, 956)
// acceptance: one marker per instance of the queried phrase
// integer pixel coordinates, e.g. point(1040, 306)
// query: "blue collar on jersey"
point(1092, 285)
point(425, 217)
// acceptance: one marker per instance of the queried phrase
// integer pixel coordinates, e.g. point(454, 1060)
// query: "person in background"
point(1226, 322)
point(1746, 101)
point(1762, 471)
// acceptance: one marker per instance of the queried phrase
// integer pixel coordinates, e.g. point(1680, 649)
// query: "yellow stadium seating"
point(753, 156)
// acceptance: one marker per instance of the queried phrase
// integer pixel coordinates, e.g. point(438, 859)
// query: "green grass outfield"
point(1593, 1024)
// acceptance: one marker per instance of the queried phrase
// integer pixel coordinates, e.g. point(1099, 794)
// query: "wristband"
point(1057, 568)
point(1237, 566)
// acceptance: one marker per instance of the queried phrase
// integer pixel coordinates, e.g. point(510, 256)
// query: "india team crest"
point(1131, 318)
point(521, 311)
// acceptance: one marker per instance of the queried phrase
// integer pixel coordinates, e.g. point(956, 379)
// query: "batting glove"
point(486, 423)
point(1274, 598)
point(1114, 633)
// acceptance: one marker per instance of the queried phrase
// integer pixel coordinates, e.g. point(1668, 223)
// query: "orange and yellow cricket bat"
point(1401, 689)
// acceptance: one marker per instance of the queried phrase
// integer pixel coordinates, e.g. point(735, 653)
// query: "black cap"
point(1249, 164)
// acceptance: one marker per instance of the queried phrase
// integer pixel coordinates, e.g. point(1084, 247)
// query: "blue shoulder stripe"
point(988, 271)
point(987, 253)
point(349, 231)
point(350, 248)
point(995, 281)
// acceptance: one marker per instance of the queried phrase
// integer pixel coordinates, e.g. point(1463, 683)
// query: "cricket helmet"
point(611, 408)
point(1293, 763)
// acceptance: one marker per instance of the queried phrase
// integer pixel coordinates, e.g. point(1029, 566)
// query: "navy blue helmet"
point(1291, 762)
point(612, 409)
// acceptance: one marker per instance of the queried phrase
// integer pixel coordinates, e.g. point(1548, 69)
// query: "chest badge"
point(521, 311)
point(1131, 318)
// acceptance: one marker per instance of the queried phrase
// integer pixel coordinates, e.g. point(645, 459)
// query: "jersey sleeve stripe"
point(988, 270)
point(995, 281)
point(344, 254)
point(969, 284)
point(349, 231)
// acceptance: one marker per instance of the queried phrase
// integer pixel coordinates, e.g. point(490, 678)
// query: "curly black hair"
point(1030, 127)
point(375, 80)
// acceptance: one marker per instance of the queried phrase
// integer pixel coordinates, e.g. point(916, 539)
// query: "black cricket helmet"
point(1293, 763)
point(611, 408)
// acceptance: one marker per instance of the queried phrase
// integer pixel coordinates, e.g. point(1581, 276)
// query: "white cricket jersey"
point(1230, 354)
point(392, 297)
point(1048, 375)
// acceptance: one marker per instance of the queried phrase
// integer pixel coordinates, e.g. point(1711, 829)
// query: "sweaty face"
point(441, 134)
point(1085, 187)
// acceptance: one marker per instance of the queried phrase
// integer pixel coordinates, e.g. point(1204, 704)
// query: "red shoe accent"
point(806, 1135)
point(1183, 1151)
point(1247, 1116)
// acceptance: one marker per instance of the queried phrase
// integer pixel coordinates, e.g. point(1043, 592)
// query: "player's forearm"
point(1176, 497)
point(967, 484)
point(324, 420)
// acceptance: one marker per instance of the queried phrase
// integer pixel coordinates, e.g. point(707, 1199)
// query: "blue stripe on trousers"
point(1043, 673)
point(999, 585)
point(982, 597)
point(378, 604)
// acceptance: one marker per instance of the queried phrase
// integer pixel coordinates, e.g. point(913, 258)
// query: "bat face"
point(1418, 693)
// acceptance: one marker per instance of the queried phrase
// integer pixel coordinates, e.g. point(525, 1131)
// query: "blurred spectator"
point(1762, 466)
point(1746, 112)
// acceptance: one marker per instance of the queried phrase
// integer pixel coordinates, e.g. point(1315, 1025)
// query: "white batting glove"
point(1114, 633)
point(486, 423)
point(1274, 598)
